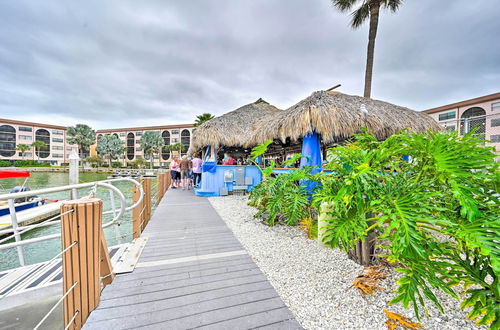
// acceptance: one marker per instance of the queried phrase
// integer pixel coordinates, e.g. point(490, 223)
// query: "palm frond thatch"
point(233, 128)
point(336, 116)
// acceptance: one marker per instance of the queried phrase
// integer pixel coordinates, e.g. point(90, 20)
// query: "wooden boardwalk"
point(193, 273)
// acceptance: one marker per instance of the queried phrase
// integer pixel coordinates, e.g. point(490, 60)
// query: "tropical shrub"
point(284, 197)
point(4, 163)
point(437, 214)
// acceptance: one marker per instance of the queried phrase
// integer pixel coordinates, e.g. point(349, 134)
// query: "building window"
point(174, 140)
point(175, 131)
point(473, 119)
point(185, 140)
point(165, 153)
point(130, 146)
point(44, 136)
point(7, 141)
point(138, 133)
point(57, 148)
point(59, 140)
point(57, 155)
point(25, 129)
point(26, 154)
point(495, 106)
point(495, 138)
point(447, 115)
point(57, 132)
point(99, 137)
point(123, 134)
point(71, 149)
point(25, 137)
point(495, 122)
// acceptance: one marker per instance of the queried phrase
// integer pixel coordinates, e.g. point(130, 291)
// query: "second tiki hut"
point(336, 116)
point(328, 117)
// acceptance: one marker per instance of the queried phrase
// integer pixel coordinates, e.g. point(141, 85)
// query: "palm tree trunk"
point(374, 12)
point(151, 161)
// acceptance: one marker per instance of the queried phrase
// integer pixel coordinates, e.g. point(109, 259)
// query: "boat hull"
point(4, 210)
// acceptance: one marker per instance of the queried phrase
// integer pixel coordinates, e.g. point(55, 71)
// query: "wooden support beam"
point(83, 238)
point(137, 213)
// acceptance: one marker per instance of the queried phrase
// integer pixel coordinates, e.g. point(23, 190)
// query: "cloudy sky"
point(127, 63)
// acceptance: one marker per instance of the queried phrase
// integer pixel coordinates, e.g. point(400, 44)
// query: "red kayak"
point(8, 174)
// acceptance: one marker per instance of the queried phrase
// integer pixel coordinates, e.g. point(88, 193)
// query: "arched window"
point(7, 141)
point(165, 153)
point(185, 140)
point(473, 118)
point(99, 137)
point(130, 146)
point(116, 135)
point(44, 136)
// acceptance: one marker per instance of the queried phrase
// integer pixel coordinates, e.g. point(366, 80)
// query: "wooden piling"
point(159, 187)
point(81, 224)
point(147, 200)
point(137, 214)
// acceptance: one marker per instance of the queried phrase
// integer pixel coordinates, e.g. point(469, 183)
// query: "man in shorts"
point(185, 165)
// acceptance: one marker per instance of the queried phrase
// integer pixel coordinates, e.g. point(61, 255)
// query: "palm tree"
point(23, 148)
point(202, 118)
point(37, 145)
point(83, 136)
point(151, 143)
point(111, 146)
point(176, 147)
point(367, 9)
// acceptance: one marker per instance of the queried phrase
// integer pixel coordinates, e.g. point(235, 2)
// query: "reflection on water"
point(45, 250)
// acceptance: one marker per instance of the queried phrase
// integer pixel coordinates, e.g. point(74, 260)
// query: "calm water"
point(45, 250)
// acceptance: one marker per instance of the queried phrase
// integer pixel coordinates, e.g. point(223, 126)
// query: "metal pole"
point(74, 173)
point(117, 223)
point(13, 218)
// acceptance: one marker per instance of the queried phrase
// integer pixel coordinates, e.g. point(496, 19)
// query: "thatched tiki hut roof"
point(336, 116)
point(233, 128)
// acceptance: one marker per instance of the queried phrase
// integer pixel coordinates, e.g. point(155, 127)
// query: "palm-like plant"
point(450, 187)
point(200, 119)
point(23, 148)
point(151, 143)
point(111, 146)
point(83, 136)
point(38, 145)
point(368, 9)
point(177, 147)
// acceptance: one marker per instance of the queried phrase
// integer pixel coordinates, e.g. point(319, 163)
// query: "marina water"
point(42, 251)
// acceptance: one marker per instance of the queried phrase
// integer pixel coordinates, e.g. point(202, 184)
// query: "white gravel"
point(315, 281)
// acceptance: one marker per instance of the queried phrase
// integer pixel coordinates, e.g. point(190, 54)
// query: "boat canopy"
point(5, 174)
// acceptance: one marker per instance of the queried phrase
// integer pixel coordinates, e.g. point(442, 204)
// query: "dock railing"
point(86, 264)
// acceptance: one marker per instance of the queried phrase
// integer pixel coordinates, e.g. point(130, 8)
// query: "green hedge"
point(29, 163)
point(4, 163)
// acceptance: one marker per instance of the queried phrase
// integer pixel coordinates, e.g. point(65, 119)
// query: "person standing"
point(197, 170)
point(184, 165)
point(174, 172)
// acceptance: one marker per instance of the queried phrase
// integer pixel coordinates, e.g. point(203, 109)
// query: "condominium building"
point(15, 132)
point(131, 136)
point(481, 114)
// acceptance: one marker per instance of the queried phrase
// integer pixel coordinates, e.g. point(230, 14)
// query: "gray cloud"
point(124, 63)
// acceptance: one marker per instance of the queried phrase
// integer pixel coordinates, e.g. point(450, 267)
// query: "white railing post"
point(13, 219)
point(117, 223)
point(74, 173)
